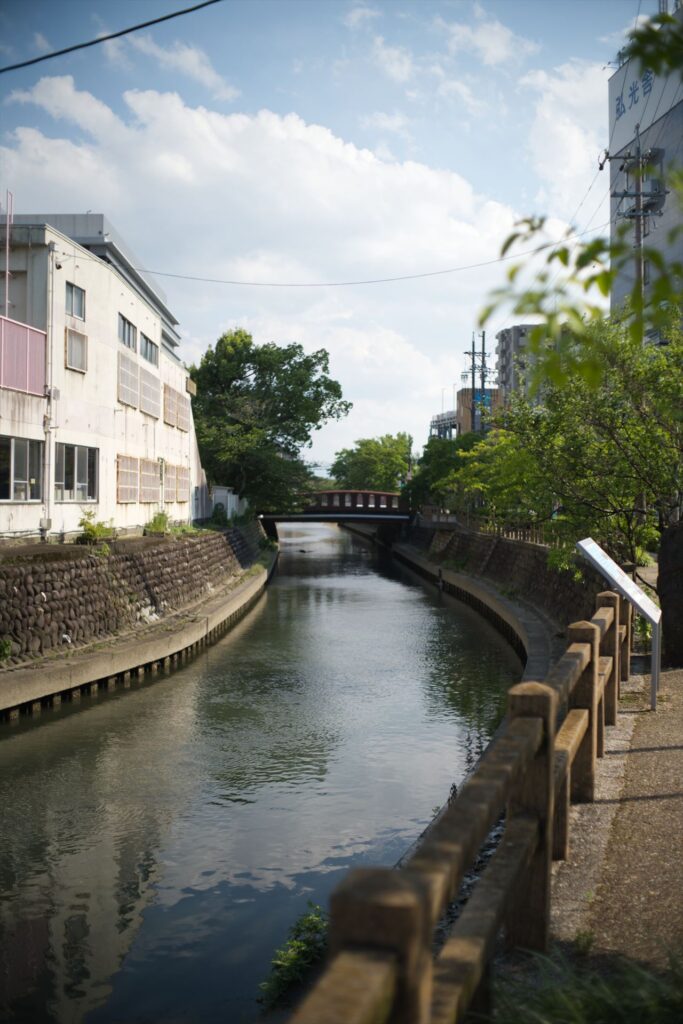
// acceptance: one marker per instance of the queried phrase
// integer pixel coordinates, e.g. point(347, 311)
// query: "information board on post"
point(630, 590)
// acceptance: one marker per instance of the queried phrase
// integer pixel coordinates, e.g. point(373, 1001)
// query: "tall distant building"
point(513, 358)
point(458, 421)
point(646, 130)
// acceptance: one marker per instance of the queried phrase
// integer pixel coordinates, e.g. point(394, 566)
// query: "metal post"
point(655, 659)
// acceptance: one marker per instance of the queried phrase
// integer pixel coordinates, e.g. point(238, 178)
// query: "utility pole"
point(477, 364)
point(645, 204)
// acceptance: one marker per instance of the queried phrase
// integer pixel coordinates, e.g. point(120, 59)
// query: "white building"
point(95, 409)
point(645, 146)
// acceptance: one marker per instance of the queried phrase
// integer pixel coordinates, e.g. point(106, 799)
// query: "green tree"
point(433, 480)
point(256, 408)
point(561, 296)
point(381, 463)
point(603, 459)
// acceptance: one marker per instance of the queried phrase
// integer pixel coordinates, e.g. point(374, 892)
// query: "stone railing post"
point(611, 647)
point(528, 912)
point(381, 909)
point(586, 695)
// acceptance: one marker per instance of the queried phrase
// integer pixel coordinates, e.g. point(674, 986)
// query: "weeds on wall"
point(305, 947)
point(95, 533)
point(5, 647)
point(158, 523)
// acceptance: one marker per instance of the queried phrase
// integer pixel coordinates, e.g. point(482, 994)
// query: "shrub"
point(158, 523)
point(219, 516)
point(94, 532)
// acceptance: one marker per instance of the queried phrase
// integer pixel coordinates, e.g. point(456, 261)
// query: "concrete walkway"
point(621, 890)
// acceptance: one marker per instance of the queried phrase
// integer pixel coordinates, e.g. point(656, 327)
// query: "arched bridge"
point(337, 506)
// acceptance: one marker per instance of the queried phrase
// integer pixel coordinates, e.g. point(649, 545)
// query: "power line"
point(103, 39)
point(376, 280)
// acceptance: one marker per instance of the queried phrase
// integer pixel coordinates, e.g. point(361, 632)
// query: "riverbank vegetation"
point(294, 961)
point(255, 410)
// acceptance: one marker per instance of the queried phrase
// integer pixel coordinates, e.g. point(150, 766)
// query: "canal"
point(158, 843)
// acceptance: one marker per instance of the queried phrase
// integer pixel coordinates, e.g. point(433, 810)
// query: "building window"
point(359, 501)
point(170, 477)
point(150, 393)
point(182, 492)
point(323, 500)
point(394, 502)
point(148, 350)
point(127, 479)
point(150, 480)
point(76, 351)
point(371, 501)
point(128, 333)
point(75, 472)
point(335, 500)
point(128, 378)
point(75, 301)
point(347, 501)
point(21, 469)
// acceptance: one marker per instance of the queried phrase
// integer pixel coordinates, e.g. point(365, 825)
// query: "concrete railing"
point(381, 968)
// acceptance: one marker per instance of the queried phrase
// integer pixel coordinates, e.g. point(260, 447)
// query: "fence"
point(381, 968)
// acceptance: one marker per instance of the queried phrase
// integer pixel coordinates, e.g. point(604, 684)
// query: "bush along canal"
point(159, 845)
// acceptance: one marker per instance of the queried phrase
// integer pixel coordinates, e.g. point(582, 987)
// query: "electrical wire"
point(103, 39)
point(376, 280)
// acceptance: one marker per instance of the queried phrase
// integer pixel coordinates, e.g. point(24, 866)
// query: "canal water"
point(158, 843)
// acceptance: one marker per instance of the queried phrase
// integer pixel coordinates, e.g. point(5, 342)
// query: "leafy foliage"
point(94, 532)
point(306, 946)
point(433, 481)
point(158, 523)
point(374, 462)
point(256, 408)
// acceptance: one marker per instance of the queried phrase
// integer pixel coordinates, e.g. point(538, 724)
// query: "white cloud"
point(360, 15)
point(40, 42)
point(395, 61)
point(493, 42)
point(619, 37)
point(264, 197)
point(395, 124)
point(567, 134)
point(189, 61)
point(449, 88)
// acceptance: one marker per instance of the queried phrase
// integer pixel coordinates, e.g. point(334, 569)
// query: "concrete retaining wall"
point(68, 596)
point(520, 570)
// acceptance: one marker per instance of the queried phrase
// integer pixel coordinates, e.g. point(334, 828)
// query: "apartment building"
point(95, 403)
point(514, 359)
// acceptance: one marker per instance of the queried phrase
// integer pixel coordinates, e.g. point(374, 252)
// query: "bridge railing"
point(381, 968)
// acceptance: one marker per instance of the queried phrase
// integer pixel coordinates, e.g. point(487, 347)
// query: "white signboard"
point(638, 96)
point(608, 568)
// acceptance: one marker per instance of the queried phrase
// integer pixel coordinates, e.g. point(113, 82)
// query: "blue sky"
point(307, 141)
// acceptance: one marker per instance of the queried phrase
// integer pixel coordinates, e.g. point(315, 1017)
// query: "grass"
point(562, 993)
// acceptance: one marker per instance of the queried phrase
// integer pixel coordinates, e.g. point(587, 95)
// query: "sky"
point(290, 145)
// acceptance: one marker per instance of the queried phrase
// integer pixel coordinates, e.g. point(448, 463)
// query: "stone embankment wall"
point(70, 596)
point(518, 569)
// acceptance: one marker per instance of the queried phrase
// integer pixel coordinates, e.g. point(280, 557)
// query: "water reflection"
point(159, 843)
